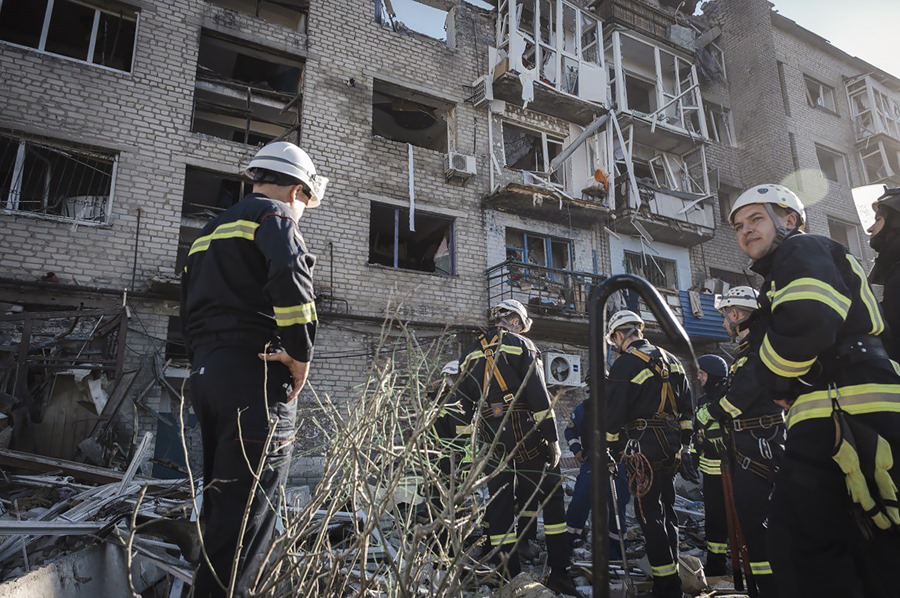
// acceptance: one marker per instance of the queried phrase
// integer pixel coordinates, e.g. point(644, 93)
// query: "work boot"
point(560, 581)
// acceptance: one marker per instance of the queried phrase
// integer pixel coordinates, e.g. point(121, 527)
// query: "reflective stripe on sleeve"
point(729, 408)
point(664, 570)
point(296, 314)
point(779, 365)
point(552, 529)
point(855, 400)
point(642, 377)
point(717, 547)
point(812, 289)
point(868, 298)
point(239, 229)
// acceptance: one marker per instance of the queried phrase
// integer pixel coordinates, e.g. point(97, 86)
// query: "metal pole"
point(597, 327)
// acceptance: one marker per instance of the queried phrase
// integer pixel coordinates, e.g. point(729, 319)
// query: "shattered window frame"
point(549, 243)
point(837, 160)
point(44, 161)
point(719, 121)
point(386, 16)
point(657, 270)
point(400, 229)
point(824, 93)
point(103, 14)
point(243, 111)
point(548, 141)
point(268, 11)
point(847, 231)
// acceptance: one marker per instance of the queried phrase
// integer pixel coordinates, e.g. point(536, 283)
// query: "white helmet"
point(451, 368)
point(620, 319)
point(512, 306)
point(742, 296)
point(286, 158)
point(777, 195)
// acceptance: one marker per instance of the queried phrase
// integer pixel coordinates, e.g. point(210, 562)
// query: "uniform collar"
point(763, 265)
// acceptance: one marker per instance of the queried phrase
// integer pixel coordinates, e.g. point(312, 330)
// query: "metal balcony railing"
point(545, 291)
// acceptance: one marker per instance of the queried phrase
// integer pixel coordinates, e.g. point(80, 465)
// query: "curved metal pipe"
point(680, 343)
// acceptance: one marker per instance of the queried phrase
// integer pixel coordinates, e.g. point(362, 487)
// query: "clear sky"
point(867, 29)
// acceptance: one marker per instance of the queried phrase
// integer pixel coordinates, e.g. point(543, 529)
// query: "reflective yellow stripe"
point(510, 349)
point(540, 416)
point(779, 365)
point(642, 377)
point(663, 570)
point(813, 290)
point(554, 529)
point(687, 424)
point(612, 437)
point(737, 364)
point(858, 399)
point(524, 514)
point(865, 291)
point(296, 314)
point(460, 430)
point(725, 404)
point(503, 539)
point(471, 356)
point(239, 229)
point(676, 367)
point(896, 366)
point(710, 466)
point(717, 547)
point(761, 568)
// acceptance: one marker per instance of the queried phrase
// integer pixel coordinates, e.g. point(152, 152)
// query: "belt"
point(752, 423)
point(660, 421)
point(862, 347)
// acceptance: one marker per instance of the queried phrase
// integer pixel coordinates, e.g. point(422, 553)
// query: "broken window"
point(428, 248)
point(538, 250)
point(640, 95)
point(659, 271)
point(245, 94)
point(206, 194)
point(879, 163)
point(54, 179)
point(531, 151)
point(718, 121)
point(846, 234)
point(412, 15)
point(832, 164)
point(734, 279)
point(726, 200)
point(98, 33)
point(287, 13)
point(403, 115)
point(819, 95)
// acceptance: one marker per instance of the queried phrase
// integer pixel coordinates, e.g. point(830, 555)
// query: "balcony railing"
point(545, 291)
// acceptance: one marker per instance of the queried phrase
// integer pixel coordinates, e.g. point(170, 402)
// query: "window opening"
point(659, 271)
point(400, 115)
point(832, 165)
point(286, 13)
point(430, 248)
point(819, 95)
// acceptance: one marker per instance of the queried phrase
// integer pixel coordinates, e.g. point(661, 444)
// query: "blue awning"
point(707, 328)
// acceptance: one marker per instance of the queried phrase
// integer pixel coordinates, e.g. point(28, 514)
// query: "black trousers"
point(656, 515)
point(815, 545)
point(751, 498)
point(535, 478)
point(236, 402)
point(715, 525)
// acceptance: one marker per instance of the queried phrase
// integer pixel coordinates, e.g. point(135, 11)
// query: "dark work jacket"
point(633, 392)
point(248, 280)
point(814, 296)
point(747, 352)
point(520, 366)
point(890, 304)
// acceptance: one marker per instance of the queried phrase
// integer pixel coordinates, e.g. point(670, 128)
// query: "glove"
point(554, 453)
point(686, 467)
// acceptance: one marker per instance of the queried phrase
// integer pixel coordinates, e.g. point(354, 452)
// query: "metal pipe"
point(137, 238)
point(588, 131)
point(597, 326)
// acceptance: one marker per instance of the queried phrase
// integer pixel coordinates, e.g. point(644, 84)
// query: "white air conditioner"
point(561, 369)
point(459, 167)
point(482, 92)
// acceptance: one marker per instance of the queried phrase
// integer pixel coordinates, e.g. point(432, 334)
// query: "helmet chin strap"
point(780, 231)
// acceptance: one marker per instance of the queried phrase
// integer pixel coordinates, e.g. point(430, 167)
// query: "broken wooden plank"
point(80, 471)
point(50, 528)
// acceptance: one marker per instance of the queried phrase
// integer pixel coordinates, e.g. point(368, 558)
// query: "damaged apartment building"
point(478, 150)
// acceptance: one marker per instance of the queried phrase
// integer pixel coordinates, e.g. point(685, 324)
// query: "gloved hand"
point(686, 467)
point(554, 453)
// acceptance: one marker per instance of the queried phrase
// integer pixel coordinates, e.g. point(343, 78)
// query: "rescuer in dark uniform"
point(713, 376)
point(649, 410)
point(833, 520)
point(754, 437)
point(885, 240)
point(249, 318)
point(503, 391)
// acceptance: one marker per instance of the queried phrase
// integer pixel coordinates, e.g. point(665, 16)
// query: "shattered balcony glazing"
point(875, 110)
point(549, 56)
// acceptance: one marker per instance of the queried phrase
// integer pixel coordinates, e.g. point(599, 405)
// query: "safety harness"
point(494, 409)
point(765, 468)
point(660, 367)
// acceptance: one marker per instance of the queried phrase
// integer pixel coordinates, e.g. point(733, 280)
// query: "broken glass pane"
point(115, 42)
point(70, 29)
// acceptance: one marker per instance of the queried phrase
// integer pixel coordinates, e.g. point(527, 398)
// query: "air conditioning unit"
point(459, 167)
point(561, 369)
point(482, 92)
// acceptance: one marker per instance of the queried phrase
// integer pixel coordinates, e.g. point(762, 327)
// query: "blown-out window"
point(56, 180)
point(394, 243)
point(101, 33)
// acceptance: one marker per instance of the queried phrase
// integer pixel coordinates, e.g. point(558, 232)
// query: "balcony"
point(549, 55)
point(875, 110)
point(556, 299)
point(665, 215)
point(527, 197)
